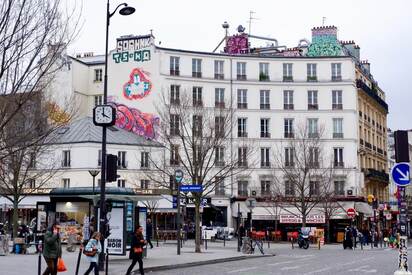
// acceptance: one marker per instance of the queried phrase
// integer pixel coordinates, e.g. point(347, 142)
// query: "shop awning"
point(28, 202)
point(364, 208)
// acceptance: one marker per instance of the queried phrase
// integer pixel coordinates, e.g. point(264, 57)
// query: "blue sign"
point(191, 188)
point(400, 174)
point(174, 201)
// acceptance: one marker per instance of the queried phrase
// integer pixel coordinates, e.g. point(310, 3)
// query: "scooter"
point(303, 240)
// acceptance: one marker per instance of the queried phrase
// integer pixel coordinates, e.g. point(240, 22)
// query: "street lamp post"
point(94, 173)
point(125, 10)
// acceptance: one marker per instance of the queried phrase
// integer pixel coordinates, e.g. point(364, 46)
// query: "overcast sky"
point(383, 30)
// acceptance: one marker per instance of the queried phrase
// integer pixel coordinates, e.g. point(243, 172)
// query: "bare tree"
point(33, 37)
point(199, 141)
point(303, 170)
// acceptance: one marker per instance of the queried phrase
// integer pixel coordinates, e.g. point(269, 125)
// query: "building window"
point(196, 67)
point(98, 75)
point(311, 72)
point(174, 125)
point(31, 183)
point(336, 71)
point(242, 157)
point(263, 71)
point(338, 157)
point(314, 157)
point(219, 156)
point(144, 159)
point(174, 65)
point(121, 160)
point(220, 98)
point(174, 155)
point(98, 100)
point(264, 99)
point(242, 188)
point(99, 158)
point(264, 128)
point(312, 100)
point(220, 186)
point(242, 127)
point(197, 125)
point(144, 184)
point(264, 157)
point(289, 159)
point(219, 127)
point(338, 128)
point(288, 100)
point(197, 97)
point(219, 74)
point(66, 159)
point(121, 183)
point(175, 94)
point(287, 72)
point(241, 70)
point(313, 131)
point(339, 187)
point(242, 99)
point(265, 188)
point(314, 188)
point(66, 183)
point(32, 161)
point(288, 128)
point(337, 100)
point(289, 188)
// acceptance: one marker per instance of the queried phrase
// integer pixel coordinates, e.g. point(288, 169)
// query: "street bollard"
point(78, 259)
point(224, 239)
point(107, 262)
point(39, 260)
point(205, 241)
point(268, 242)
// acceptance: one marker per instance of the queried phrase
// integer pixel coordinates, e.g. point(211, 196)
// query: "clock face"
point(104, 115)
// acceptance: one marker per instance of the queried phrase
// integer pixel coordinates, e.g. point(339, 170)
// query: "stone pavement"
point(159, 258)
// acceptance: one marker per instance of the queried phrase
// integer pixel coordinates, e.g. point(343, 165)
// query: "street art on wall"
point(133, 48)
point(133, 120)
point(237, 44)
point(138, 86)
point(138, 56)
point(325, 42)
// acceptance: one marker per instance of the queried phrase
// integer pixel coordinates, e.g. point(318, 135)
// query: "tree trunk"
point(328, 237)
point(15, 216)
point(197, 227)
point(304, 220)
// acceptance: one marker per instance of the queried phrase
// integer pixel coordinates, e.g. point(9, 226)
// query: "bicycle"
point(249, 246)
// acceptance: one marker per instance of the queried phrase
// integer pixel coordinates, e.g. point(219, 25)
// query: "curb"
point(191, 264)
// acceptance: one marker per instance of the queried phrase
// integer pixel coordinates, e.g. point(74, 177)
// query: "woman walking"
point(136, 250)
point(52, 249)
point(92, 251)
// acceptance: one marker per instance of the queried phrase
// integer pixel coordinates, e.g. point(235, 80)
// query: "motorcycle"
point(303, 239)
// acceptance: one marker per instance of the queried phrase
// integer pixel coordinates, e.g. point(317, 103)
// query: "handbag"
point(138, 250)
point(61, 267)
point(90, 253)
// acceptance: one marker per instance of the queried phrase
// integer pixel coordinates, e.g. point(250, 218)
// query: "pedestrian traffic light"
point(111, 168)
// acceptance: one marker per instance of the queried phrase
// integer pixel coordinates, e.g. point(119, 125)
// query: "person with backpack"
point(136, 250)
point(92, 251)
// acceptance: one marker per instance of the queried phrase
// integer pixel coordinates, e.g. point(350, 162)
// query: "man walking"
point(149, 232)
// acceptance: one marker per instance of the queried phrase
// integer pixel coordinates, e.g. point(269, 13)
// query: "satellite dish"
point(241, 29)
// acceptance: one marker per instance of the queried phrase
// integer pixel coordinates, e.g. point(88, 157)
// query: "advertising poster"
point(115, 243)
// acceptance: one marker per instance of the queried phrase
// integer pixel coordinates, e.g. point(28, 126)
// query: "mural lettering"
point(138, 85)
point(135, 121)
point(138, 56)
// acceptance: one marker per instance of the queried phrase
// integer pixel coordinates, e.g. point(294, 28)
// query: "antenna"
point(323, 21)
point(250, 20)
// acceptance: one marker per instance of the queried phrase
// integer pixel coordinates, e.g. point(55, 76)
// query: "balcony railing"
point(368, 145)
point(337, 135)
point(336, 78)
point(175, 72)
point(338, 164)
point(337, 106)
point(313, 106)
point(197, 74)
point(219, 104)
point(265, 106)
point(242, 163)
point(287, 78)
point(242, 105)
point(265, 164)
point(289, 135)
point(219, 76)
point(265, 135)
point(312, 78)
point(242, 193)
point(288, 106)
point(241, 134)
point(376, 175)
point(241, 77)
point(289, 164)
point(372, 93)
point(263, 77)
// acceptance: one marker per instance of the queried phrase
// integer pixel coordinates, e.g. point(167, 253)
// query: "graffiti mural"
point(325, 42)
point(133, 120)
point(138, 86)
point(237, 44)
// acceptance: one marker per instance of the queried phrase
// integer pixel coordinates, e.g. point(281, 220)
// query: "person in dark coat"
point(347, 242)
point(136, 250)
point(149, 231)
point(52, 249)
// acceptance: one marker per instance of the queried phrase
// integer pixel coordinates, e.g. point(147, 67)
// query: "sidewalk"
point(159, 258)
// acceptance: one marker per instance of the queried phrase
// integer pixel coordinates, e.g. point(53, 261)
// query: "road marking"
point(241, 270)
point(317, 271)
point(287, 262)
point(290, 267)
point(340, 265)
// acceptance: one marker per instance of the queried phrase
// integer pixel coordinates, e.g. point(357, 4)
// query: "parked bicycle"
point(249, 246)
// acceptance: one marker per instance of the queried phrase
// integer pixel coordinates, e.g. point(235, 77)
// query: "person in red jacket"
point(136, 250)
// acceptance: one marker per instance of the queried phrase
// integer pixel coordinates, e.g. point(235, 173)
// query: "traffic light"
point(111, 168)
point(401, 146)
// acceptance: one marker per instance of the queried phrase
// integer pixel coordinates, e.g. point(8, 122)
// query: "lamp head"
point(127, 10)
point(94, 173)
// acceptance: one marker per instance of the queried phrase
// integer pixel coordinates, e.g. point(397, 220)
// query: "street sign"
point(174, 201)
point(191, 188)
point(351, 212)
point(400, 174)
point(179, 175)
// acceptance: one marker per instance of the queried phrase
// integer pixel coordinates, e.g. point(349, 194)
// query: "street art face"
point(138, 85)
point(133, 120)
point(324, 42)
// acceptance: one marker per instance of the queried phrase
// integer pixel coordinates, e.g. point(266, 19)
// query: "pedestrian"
point(92, 251)
point(149, 232)
point(136, 250)
point(347, 242)
point(354, 235)
point(52, 249)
